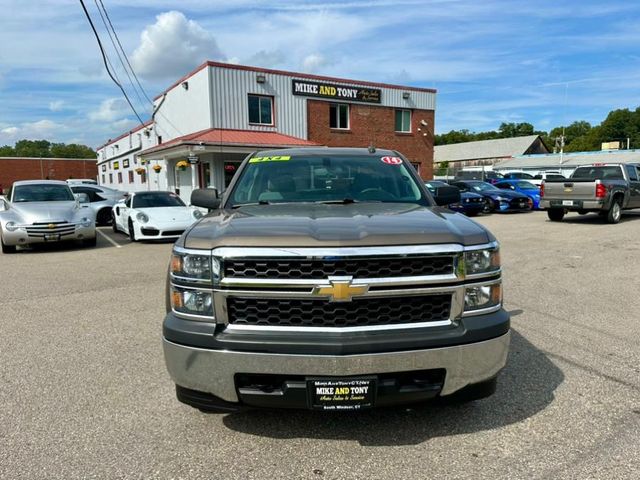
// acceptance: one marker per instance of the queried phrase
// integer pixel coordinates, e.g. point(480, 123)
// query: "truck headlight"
point(197, 214)
point(85, 222)
point(142, 217)
point(482, 261)
point(192, 302)
point(193, 265)
point(478, 297)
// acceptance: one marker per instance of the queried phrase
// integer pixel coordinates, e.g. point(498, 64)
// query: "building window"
point(159, 139)
point(260, 110)
point(103, 178)
point(403, 121)
point(339, 116)
point(111, 178)
point(130, 176)
point(119, 177)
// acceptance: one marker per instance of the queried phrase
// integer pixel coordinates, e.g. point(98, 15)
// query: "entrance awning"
point(234, 140)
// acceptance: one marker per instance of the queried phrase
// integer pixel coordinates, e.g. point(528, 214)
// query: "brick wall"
point(13, 169)
point(375, 124)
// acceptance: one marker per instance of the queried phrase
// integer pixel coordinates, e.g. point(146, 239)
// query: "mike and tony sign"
point(338, 92)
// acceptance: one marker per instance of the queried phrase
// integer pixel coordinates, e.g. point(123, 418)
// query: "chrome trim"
point(378, 282)
point(191, 251)
point(481, 311)
point(475, 276)
point(395, 326)
point(206, 281)
point(191, 316)
point(213, 371)
point(484, 246)
point(319, 253)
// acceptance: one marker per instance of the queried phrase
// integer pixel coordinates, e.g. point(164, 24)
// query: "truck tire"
point(615, 212)
point(555, 214)
point(471, 392)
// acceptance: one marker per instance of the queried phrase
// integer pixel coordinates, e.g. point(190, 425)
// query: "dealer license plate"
point(52, 237)
point(567, 203)
point(341, 394)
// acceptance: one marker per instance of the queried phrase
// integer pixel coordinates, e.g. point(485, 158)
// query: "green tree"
point(7, 151)
point(32, 148)
point(72, 150)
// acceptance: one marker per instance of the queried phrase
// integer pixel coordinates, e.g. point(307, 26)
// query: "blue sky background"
point(544, 62)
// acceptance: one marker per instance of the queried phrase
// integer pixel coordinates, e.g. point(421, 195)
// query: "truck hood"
point(30, 212)
point(317, 225)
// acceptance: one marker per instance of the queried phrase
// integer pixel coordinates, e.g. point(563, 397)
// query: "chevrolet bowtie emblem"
point(51, 226)
point(340, 290)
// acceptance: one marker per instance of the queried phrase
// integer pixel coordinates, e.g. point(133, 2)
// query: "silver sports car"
point(39, 211)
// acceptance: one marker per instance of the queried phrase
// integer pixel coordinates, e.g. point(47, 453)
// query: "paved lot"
point(84, 392)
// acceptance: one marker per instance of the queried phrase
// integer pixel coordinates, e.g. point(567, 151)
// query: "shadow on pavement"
point(595, 219)
point(525, 387)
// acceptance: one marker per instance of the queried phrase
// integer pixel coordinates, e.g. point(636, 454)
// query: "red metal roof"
point(293, 74)
point(240, 138)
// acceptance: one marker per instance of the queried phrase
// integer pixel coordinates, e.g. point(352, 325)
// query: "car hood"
point(168, 214)
point(362, 224)
point(469, 195)
point(30, 212)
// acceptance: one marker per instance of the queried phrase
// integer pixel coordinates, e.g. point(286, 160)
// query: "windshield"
point(42, 192)
point(156, 199)
point(526, 185)
point(482, 187)
point(598, 173)
point(296, 179)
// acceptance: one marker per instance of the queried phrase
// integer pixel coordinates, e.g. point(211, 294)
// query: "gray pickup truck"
point(606, 188)
point(330, 279)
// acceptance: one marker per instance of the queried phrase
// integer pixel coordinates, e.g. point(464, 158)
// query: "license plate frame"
point(567, 203)
point(341, 394)
point(51, 237)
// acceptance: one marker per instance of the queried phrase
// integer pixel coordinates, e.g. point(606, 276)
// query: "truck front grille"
point(304, 269)
point(360, 312)
point(46, 228)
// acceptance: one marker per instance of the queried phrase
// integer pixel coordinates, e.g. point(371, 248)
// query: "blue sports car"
point(522, 186)
point(496, 200)
point(471, 204)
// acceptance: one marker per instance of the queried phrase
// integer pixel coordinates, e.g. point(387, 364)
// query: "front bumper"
point(160, 230)
point(214, 371)
point(22, 237)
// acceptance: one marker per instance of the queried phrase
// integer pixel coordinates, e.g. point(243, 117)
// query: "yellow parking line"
point(109, 239)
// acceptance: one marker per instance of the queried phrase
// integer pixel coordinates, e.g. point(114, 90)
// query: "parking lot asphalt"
point(84, 392)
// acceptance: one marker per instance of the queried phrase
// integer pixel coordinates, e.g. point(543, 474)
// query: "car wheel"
point(132, 232)
point(114, 225)
point(488, 206)
point(90, 242)
point(582, 212)
point(555, 214)
point(615, 212)
point(103, 217)
point(7, 248)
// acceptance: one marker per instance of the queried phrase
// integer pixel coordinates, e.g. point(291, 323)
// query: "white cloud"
point(314, 62)
point(173, 46)
point(110, 110)
point(265, 58)
point(56, 105)
point(42, 129)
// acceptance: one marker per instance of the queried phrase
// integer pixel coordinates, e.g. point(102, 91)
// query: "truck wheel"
point(471, 392)
point(615, 212)
point(555, 214)
point(582, 212)
point(7, 248)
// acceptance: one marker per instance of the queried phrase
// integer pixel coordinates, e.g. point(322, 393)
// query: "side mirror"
point(82, 197)
point(3, 205)
point(206, 198)
point(447, 195)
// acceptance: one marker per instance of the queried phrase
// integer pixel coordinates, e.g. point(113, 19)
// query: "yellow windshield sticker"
point(277, 158)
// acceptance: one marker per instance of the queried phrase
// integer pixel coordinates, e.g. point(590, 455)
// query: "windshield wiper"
point(261, 202)
point(344, 201)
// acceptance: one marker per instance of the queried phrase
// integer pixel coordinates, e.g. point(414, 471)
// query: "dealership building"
point(207, 122)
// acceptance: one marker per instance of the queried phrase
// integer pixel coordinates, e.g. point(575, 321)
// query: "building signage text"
point(338, 92)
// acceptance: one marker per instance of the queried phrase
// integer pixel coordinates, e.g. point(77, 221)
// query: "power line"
point(133, 72)
point(104, 22)
point(104, 59)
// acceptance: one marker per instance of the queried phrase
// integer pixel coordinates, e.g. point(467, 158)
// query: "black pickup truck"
point(606, 188)
point(331, 279)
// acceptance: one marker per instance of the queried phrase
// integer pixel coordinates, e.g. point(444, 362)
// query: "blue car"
point(522, 186)
point(471, 204)
point(496, 200)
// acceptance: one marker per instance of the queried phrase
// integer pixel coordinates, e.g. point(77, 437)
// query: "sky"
point(548, 63)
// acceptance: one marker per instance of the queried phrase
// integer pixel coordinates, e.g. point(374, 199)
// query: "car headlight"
point(11, 226)
point(191, 301)
point(142, 217)
point(188, 265)
point(502, 199)
point(482, 261)
point(478, 297)
point(85, 222)
point(197, 214)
